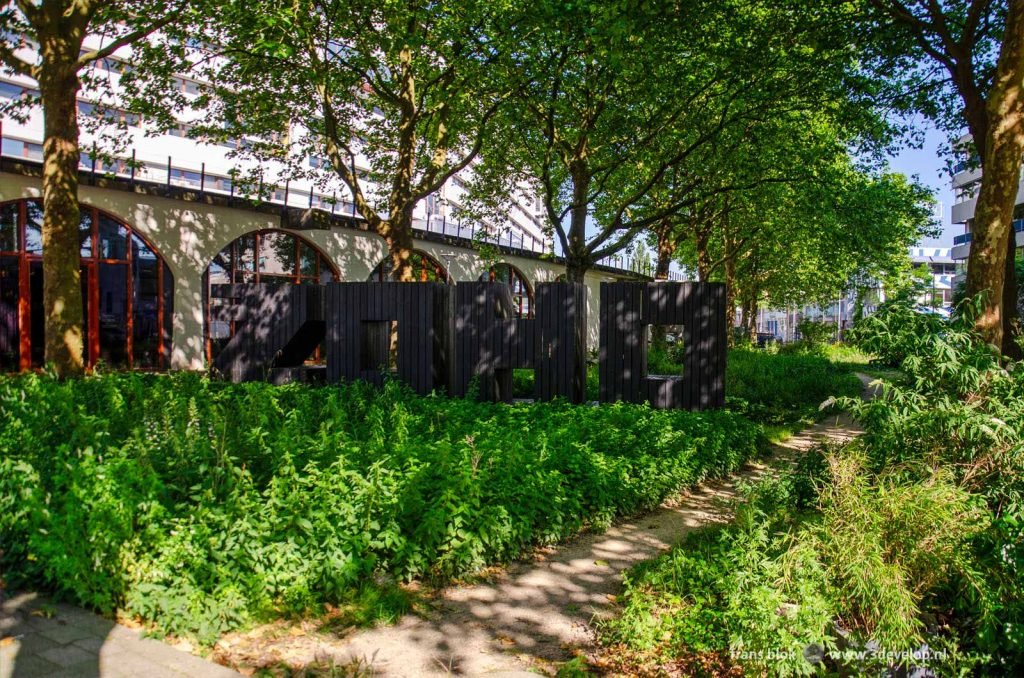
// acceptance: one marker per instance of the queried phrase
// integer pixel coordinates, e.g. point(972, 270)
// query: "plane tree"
point(44, 41)
point(612, 101)
point(962, 64)
point(391, 97)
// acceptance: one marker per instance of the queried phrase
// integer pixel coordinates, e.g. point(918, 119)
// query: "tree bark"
point(62, 290)
point(666, 250)
point(730, 300)
point(1011, 299)
point(577, 256)
point(397, 234)
point(703, 255)
point(1001, 151)
point(750, 308)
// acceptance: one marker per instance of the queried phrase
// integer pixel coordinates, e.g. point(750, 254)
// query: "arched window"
point(127, 291)
point(425, 268)
point(267, 257)
point(522, 293)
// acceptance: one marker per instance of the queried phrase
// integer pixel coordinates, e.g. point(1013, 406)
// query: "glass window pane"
point(145, 307)
point(34, 227)
point(85, 233)
point(220, 268)
point(277, 253)
point(307, 260)
point(113, 314)
point(9, 227)
point(113, 239)
point(246, 253)
point(9, 313)
point(36, 317)
point(140, 250)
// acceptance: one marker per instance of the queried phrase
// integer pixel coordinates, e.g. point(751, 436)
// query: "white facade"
point(966, 182)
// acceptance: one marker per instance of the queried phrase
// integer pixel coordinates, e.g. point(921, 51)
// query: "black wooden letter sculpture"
point(367, 320)
point(276, 330)
point(490, 342)
point(627, 309)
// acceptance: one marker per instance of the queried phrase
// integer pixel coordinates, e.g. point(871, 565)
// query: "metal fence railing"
point(170, 174)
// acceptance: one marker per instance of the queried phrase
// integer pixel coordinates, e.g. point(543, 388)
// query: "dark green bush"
point(201, 506)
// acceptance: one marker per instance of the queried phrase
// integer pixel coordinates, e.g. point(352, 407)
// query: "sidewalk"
point(42, 638)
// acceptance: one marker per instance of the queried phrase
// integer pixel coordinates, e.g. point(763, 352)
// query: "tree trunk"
point(398, 230)
point(397, 233)
point(987, 266)
point(1000, 162)
point(62, 290)
point(730, 300)
point(1011, 298)
point(666, 250)
point(576, 268)
point(703, 255)
point(750, 315)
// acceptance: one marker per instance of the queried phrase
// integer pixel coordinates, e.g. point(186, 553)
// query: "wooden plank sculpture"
point(435, 337)
point(628, 309)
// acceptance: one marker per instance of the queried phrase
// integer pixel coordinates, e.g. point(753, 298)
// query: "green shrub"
point(780, 579)
point(202, 506)
point(782, 388)
point(913, 534)
point(816, 332)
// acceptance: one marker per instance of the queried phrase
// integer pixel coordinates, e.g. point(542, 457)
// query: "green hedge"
point(201, 506)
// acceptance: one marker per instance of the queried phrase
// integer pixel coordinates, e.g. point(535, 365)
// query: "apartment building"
point(937, 298)
point(966, 181)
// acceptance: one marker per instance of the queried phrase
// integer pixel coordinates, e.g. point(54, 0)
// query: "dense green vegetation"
point(787, 387)
point(771, 387)
point(201, 506)
point(910, 538)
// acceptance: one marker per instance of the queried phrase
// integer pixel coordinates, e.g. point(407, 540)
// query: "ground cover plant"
point(786, 387)
point(202, 506)
point(903, 549)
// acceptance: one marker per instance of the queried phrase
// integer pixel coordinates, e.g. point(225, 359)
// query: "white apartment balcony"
point(962, 243)
point(963, 211)
point(965, 177)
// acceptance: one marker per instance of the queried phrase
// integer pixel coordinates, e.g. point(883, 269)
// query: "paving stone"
point(33, 643)
point(88, 669)
point(93, 644)
point(19, 601)
point(68, 633)
point(69, 642)
point(29, 666)
point(66, 655)
point(131, 665)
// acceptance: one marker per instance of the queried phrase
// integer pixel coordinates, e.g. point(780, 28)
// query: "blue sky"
point(930, 168)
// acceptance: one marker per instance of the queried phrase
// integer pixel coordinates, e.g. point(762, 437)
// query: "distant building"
point(782, 323)
point(966, 182)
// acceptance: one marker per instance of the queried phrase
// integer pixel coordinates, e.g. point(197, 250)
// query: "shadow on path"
point(41, 638)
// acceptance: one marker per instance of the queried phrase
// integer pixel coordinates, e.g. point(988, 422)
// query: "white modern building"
point(182, 161)
point(966, 181)
point(938, 298)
